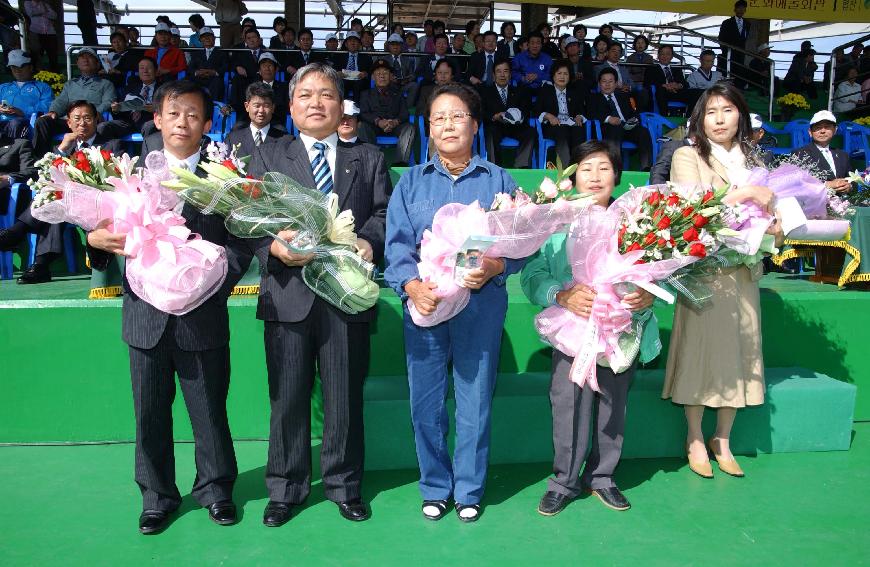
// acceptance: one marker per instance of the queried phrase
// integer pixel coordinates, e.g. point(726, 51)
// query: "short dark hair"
point(506, 24)
point(536, 34)
point(488, 33)
point(196, 20)
point(612, 43)
point(740, 4)
point(559, 64)
point(249, 20)
point(396, 25)
point(440, 36)
point(164, 18)
point(428, 23)
point(120, 34)
point(501, 61)
point(438, 24)
point(252, 30)
point(149, 59)
point(586, 149)
point(279, 20)
point(544, 26)
point(355, 21)
point(577, 28)
point(709, 52)
point(466, 94)
point(666, 46)
point(259, 89)
point(608, 70)
point(639, 38)
point(470, 25)
point(305, 31)
point(175, 89)
point(696, 131)
point(599, 39)
point(603, 27)
point(80, 103)
point(444, 61)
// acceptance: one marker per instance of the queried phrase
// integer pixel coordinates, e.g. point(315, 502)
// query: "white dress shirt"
point(189, 163)
point(264, 131)
point(829, 157)
point(331, 141)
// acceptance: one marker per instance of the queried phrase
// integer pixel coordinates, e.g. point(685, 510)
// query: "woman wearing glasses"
point(470, 340)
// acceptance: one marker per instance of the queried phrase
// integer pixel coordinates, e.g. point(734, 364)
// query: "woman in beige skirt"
point(715, 355)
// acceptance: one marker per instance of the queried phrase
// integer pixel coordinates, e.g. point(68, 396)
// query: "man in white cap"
point(404, 68)
point(21, 97)
point(354, 66)
point(758, 134)
point(88, 86)
point(384, 112)
point(331, 42)
point(833, 163)
point(347, 128)
point(209, 64)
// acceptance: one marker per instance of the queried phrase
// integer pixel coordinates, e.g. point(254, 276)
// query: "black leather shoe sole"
point(611, 505)
point(223, 514)
point(355, 512)
point(154, 523)
point(552, 505)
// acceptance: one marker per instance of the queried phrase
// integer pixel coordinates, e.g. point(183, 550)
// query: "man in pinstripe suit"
point(302, 331)
point(194, 346)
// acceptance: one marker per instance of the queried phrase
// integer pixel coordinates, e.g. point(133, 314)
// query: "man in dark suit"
point(268, 68)
point(481, 64)
point(255, 132)
point(82, 122)
point(209, 65)
point(353, 63)
point(734, 31)
point(661, 170)
point(194, 346)
point(246, 63)
point(142, 88)
point(298, 59)
point(497, 98)
point(619, 120)
point(302, 331)
point(384, 112)
point(833, 163)
point(16, 166)
point(669, 81)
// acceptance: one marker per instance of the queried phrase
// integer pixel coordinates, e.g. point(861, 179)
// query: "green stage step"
point(804, 411)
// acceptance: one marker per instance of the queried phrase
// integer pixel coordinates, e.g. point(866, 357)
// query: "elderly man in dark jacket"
point(384, 112)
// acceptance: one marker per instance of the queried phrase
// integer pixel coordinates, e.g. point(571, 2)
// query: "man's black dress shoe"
point(612, 498)
point(37, 273)
point(354, 510)
point(223, 513)
point(153, 522)
point(276, 514)
point(552, 503)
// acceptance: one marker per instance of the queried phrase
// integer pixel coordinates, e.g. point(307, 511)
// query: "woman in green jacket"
point(547, 280)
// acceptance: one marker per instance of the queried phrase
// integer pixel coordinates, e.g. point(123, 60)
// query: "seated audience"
point(354, 64)
point(268, 68)
point(847, 96)
point(383, 112)
point(600, 45)
point(246, 63)
point(16, 166)
point(404, 69)
point(579, 33)
point(759, 68)
point(507, 45)
point(582, 75)
point(122, 60)
point(669, 82)
point(481, 66)
point(548, 46)
point(22, 97)
point(298, 59)
point(441, 49)
point(640, 60)
point(196, 23)
point(126, 122)
point(82, 123)
point(279, 24)
point(88, 86)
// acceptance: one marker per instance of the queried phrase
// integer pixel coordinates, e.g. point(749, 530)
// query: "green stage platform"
point(67, 375)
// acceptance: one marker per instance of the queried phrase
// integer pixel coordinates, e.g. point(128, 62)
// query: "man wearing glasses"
point(82, 123)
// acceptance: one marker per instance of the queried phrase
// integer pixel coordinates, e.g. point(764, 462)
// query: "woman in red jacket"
point(170, 60)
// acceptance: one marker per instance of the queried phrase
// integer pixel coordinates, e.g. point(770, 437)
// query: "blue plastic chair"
point(424, 139)
point(506, 142)
point(626, 147)
point(545, 144)
point(854, 139)
point(776, 150)
point(291, 128)
point(655, 125)
point(799, 130)
point(681, 106)
point(393, 141)
point(7, 221)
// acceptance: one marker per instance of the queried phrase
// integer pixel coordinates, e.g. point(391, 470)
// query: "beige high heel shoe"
point(701, 468)
point(727, 466)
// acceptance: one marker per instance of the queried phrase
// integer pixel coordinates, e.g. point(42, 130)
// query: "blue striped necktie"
point(320, 168)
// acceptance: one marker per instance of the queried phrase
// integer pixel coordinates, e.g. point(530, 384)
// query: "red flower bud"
point(690, 235)
point(673, 200)
point(634, 246)
point(654, 198)
point(699, 220)
point(622, 231)
point(84, 166)
point(687, 212)
point(58, 194)
point(58, 161)
point(229, 165)
point(106, 154)
point(79, 155)
point(664, 223)
point(698, 250)
point(649, 238)
point(707, 196)
point(662, 242)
